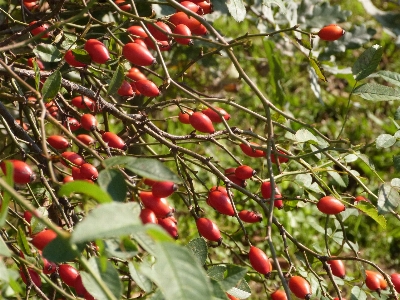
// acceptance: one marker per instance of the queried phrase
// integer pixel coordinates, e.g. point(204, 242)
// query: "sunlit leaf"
point(51, 86)
point(377, 92)
point(367, 63)
point(237, 9)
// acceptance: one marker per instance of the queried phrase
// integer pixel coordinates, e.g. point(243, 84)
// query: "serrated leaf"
point(366, 160)
point(142, 281)
point(109, 275)
point(216, 272)
point(51, 86)
point(341, 180)
point(116, 80)
point(68, 40)
point(279, 3)
point(199, 248)
point(317, 68)
point(388, 198)
point(304, 180)
point(392, 77)
point(218, 292)
point(47, 53)
point(357, 294)
point(385, 141)
point(357, 36)
point(109, 220)
point(178, 274)
point(86, 188)
point(377, 92)
point(232, 276)
point(322, 14)
point(237, 9)
point(367, 63)
point(303, 135)
point(145, 167)
point(372, 212)
point(242, 291)
point(113, 182)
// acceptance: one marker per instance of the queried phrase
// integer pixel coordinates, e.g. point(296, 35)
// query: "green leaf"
point(397, 114)
point(241, 291)
point(357, 294)
point(279, 3)
point(113, 182)
point(372, 212)
point(109, 275)
point(396, 162)
point(385, 141)
point(322, 13)
point(86, 188)
point(392, 77)
point(47, 53)
point(142, 281)
point(22, 241)
point(367, 63)
point(109, 220)
point(82, 56)
point(6, 196)
point(36, 224)
point(4, 276)
point(4, 251)
point(199, 249)
point(216, 272)
point(342, 181)
point(51, 86)
point(388, 198)
point(116, 80)
point(68, 41)
point(123, 249)
point(145, 167)
point(377, 92)
point(232, 276)
point(60, 250)
point(218, 292)
point(317, 68)
point(303, 135)
point(178, 274)
point(144, 240)
point(237, 9)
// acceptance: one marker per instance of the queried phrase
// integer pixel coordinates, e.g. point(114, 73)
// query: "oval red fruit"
point(70, 59)
point(124, 7)
point(220, 202)
point(214, 116)
point(38, 62)
point(86, 139)
point(281, 159)
point(48, 266)
point(162, 189)
point(135, 74)
point(58, 142)
point(169, 225)
point(190, 5)
point(372, 280)
point(89, 122)
point(113, 140)
point(68, 274)
point(201, 122)
point(259, 261)
point(300, 287)
point(148, 216)
point(331, 32)
point(278, 295)
point(40, 29)
point(34, 276)
point(72, 123)
point(249, 151)
point(97, 50)
point(88, 171)
point(250, 216)
point(147, 88)
point(84, 102)
point(41, 239)
point(157, 29)
point(182, 18)
point(138, 54)
point(137, 31)
point(205, 7)
point(395, 277)
point(208, 229)
point(182, 29)
point(183, 116)
point(125, 89)
point(159, 206)
point(244, 172)
point(22, 172)
point(72, 157)
point(337, 267)
point(330, 205)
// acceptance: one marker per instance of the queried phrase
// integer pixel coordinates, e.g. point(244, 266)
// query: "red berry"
point(201, 122)
point(220, 202)
point(97, 51)
point(337, 267)
point(182, 18)
point(22, 172)
point(137, 31)
point(205, 7)
point(76, 173)
point(162, 45)
point(182, 29)
point(157, 33)
point(259, 261)
point(183, 117)
point(199, 30)
point(34, 276)
point(125, 89)
point(250, 216)
point(27, 216)
point(72, 157)
point(278, 295)
point(86, 139)
point(39, 63)
point(79, 287)
point(88, 171)
point(84, 102)
point(89, 122)
point(266, 193)
point(249, 151)
point(169, 225)
point(360, 198)
point(124, 7)
point(190, 5)
point(281, 159)
point(41, 239)
point(58, 142)
point(159, 206)
point(70, 59)
point(372, 280)
point(138, 54)
point(215, 117)
point(40, 29)
point(68, 178)
point(135, 74)
point(162, 189)
point(72, 123)
point(331, 32)
point(231, 297)
point(395, 277)
point(300, 287)
point(48, 266)
point(149, 182)
point(113, 140)
point(147, 88)
point(148, 216)
point(208, 230)
point(68, 274)
point(244, 172)
point(330, 205)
